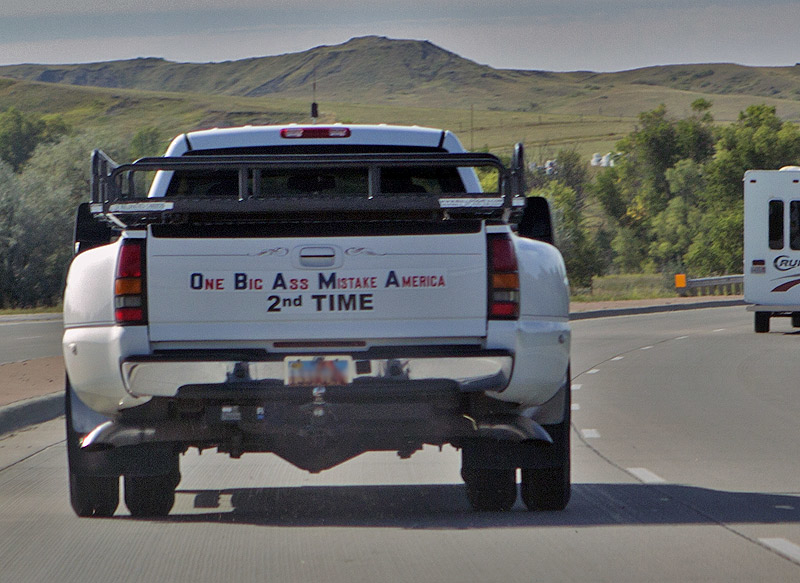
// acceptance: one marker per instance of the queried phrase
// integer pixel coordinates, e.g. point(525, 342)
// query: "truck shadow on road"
point(446, 506)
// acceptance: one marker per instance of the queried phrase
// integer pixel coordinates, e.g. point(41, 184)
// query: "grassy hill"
point(379, 80)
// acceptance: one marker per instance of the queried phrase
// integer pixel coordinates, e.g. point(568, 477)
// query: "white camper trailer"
point(772, 244)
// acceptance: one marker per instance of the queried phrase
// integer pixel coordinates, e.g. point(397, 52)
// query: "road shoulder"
point(31, 392)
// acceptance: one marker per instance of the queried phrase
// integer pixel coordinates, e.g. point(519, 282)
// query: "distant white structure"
point(603, 161)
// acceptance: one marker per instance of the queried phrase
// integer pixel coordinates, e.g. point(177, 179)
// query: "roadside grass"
point(24, 311)
point(625, 287)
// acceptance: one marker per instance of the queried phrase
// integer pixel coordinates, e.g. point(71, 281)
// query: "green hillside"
point(374, 79)
point(377, 70)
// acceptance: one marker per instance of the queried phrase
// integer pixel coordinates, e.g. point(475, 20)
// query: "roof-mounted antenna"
point(314, 107)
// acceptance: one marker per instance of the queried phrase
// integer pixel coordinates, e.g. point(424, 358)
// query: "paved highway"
point(26, 339)
point(685, 468)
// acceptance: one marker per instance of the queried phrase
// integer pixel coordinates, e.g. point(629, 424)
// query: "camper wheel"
point(762, 322)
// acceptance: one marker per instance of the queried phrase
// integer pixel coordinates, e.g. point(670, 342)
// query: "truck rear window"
point(213, 183)
point(341, 181)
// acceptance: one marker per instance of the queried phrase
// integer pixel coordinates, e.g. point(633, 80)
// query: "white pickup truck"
point(315, 292)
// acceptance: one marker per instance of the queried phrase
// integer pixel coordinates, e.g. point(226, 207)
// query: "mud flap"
point(529, 454)
point(142, 460)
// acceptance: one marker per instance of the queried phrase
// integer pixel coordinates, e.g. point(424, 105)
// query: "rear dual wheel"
point(93, 496)
point(94, 475)
point(490, 489)
point(493, 490)
point(89, 495)
point(546, 489)
point(550, 488)
point(545, 469)
point(151, 496)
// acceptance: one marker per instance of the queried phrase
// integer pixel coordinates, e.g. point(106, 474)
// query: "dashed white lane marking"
point(593, 371)
point(645, 348)
point(590, 433)
point(575, 407)
point(618, 358)
point(646, 476)
point(783, 546)
point(681, 338)
point(720, 330)
point(576, 387)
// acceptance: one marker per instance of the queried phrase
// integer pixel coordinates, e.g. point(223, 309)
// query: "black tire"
point(550, 488)
point(93, 496)
point(546, 489)
point(490, 489)
point(795, 319)
point(151, 496)
point(762, 322)
point(89, 495)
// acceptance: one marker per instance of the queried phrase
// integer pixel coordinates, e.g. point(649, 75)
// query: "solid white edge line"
point(646, 476)
point(783, 546)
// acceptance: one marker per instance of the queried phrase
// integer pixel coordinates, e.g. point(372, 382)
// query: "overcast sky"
point(552, 35)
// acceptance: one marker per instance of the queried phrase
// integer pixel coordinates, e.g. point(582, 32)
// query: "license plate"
point(318, 371)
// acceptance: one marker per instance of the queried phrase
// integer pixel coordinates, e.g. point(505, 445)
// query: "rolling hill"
point(375, 79)
point(377, 70)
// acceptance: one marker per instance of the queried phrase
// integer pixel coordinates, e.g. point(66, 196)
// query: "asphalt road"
point(685, 468)
point(26, 339)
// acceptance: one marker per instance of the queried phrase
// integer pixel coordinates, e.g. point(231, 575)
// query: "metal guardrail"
point(724, 285)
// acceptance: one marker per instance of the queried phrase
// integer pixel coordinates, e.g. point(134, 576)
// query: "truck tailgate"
point(316, 288)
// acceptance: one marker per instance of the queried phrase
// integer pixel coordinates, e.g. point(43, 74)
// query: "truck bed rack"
point(118, 197)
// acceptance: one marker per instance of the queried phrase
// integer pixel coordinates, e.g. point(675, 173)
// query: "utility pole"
point(314, 106)
point(472, 127)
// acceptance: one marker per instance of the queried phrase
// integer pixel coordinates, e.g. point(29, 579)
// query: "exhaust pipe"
point(514, 428)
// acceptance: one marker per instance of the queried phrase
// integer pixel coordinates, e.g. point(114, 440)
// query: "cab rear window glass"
point(349, 181)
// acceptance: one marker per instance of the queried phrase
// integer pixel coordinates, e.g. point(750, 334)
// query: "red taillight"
point(129, 289)
point(130, 259)
point(315, 132)
point(503, 278)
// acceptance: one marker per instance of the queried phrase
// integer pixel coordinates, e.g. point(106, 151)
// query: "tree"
point(9, 230)
point(675, 227)
point(579, 251)
point(717, 248)
point(758, 140)
point(567, 190)
point(37, 209)
point(20, 133)
point(655, 145)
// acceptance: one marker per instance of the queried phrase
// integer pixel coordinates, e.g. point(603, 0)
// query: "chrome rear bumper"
point(165, 375)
